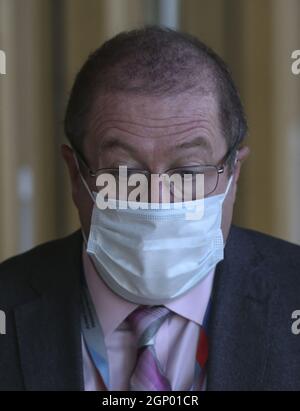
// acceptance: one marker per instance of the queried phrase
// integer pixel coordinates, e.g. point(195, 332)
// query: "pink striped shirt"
point(176, 340)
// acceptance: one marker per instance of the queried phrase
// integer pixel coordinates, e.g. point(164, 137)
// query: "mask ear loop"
point(84, 238)
point(88, 190)
point(231, 177)
point(229, 184)
point(83, 180)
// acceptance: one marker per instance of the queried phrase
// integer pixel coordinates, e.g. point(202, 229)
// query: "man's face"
point(155, 134)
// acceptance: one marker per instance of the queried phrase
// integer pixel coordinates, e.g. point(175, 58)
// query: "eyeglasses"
point(188, 174)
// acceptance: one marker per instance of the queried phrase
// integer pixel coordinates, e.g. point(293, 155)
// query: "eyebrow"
point(196, 142)
point(116, 143)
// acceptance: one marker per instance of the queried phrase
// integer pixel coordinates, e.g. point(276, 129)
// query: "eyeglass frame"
point(220, 167)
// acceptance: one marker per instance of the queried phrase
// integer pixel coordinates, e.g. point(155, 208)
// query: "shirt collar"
point(112, 309)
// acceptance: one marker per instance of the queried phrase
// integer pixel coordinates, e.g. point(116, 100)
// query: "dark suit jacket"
point(251, 345)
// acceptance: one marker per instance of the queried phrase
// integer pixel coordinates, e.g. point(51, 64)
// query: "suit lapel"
point(48, 325)
point(238, 324)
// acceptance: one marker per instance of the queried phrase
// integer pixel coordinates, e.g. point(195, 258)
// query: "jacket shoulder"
point(280, 259)
point(268, 246)
point(16, 272)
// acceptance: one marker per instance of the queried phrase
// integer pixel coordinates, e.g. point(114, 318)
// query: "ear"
point(241, 156)
point(68, 155)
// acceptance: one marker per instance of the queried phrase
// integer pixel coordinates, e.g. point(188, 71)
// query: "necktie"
point(148, 374)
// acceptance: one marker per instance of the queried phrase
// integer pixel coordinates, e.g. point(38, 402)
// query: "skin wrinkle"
point(200, 117)
point(207, 125)
point(104, 154)
point(100, 116)
point(115, 143)
point(104, 137)
point(122, 148)
point(142, 136)
point(151, 119)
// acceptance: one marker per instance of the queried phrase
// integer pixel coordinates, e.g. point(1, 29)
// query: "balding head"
point(154, 61)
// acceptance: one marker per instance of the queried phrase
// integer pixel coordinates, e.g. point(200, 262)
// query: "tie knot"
point(146, 320)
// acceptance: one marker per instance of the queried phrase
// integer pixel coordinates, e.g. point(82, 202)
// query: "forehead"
point(129, 106)
point(152, 118)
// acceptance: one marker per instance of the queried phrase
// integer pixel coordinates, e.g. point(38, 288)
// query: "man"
point(143, 299)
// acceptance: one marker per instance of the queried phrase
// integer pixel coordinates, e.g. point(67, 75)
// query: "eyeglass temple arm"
point(83, 161)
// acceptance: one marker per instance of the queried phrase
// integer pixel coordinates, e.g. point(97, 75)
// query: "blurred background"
point(47, 41)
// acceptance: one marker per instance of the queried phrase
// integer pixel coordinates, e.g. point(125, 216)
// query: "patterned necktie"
point(148, 374)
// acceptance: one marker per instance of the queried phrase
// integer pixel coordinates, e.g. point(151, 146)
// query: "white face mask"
point(151, 256)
